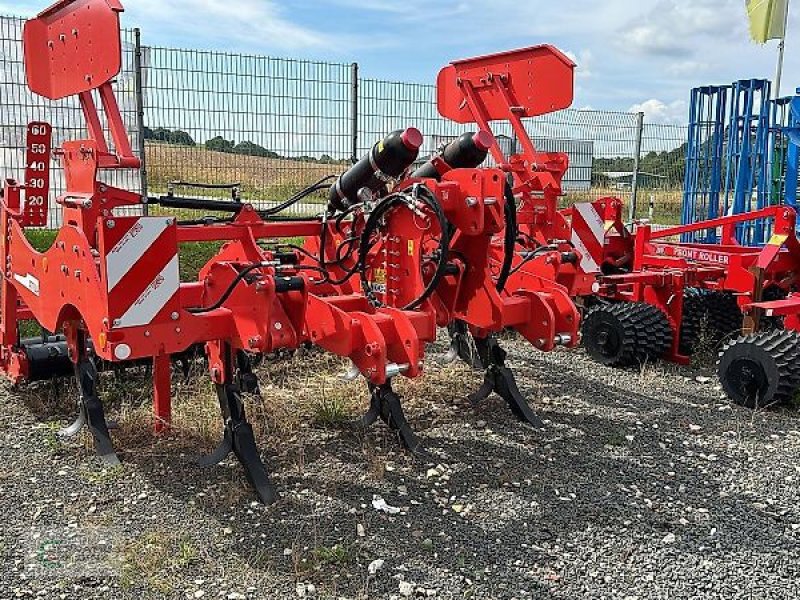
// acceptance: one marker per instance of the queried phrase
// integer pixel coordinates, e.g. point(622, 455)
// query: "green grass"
point(41, 239)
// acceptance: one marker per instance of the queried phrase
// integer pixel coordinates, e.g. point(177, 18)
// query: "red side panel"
point(72, 47)
point(540, 79)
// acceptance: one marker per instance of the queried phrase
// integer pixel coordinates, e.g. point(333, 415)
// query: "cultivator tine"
point(239, 439)
point(248, 381)
point(385, 404)
point(500, 380)
point(506, 387)
point(74, 429)
point(91, 413)
point(462, 346)
point(219, 454)
point(373, 414)
point(96, 421)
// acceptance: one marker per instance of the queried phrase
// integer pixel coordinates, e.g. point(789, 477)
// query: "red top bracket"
point(539, 79)
point(73, 47)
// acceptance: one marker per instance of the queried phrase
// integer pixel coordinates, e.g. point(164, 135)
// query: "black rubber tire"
point(724, 316)
point(771, 293)
point(761, 369)
point(625, 334)
point(694, 321)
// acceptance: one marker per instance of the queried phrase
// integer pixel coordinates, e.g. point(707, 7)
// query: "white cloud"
point(672, 27)
point(583, 60)
point(688, 67)
point(656, 111)
point(218, 21)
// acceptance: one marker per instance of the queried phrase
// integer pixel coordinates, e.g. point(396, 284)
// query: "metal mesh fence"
point(661, 172)
point(18, 107)
point(275, 126)
point(601, 145)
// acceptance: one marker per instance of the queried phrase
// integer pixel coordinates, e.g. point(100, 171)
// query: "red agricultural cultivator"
point(645, 295)
point(668, 294)
point(393, 256)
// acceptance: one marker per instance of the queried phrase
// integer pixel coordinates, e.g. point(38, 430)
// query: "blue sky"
point(632, 55)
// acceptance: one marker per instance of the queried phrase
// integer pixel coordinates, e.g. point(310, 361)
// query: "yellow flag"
point(767, 19)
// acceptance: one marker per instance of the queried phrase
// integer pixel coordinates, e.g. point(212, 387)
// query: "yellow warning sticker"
point(778, 240)
point(379, 276)
point(411, 247)
point(380, 146)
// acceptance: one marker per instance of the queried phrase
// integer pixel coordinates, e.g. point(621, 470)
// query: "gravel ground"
point(644, 484)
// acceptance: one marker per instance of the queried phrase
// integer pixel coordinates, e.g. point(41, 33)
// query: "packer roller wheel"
point(761, 369)
point(625, 334)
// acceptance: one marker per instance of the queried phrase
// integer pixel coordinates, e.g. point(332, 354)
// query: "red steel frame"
point(651, 267)
point(114, 279)
point(508, 85)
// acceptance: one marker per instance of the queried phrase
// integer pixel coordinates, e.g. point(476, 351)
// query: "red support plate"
point(72, 47)
point(540, 79)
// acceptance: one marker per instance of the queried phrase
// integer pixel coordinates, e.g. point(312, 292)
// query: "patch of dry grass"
point(156, 558)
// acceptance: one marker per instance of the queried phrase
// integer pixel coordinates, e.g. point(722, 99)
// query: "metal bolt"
point(174, 316)
point(147, 333)
point(177, 330)
point(471, 201)
point(278, 325)
point(78, 274)
point(117, 323)
point(103, 188)
point(111, 223)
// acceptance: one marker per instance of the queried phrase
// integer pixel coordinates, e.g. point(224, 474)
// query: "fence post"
point(138, 82)
point(636, 161)
point(354, 112)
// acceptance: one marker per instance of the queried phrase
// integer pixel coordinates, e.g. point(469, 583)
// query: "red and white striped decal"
point(142, 275)
point(588, 236)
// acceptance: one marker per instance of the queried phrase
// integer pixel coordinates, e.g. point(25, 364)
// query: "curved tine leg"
point(506, 388)
point(239, 439)
point(462, 344)
point(391, 412)
point(486, 389)
point(77, 425)
point(374, 412)
point(96, 421)
point(500, 379)
point(219, 454)
point(248, 381)
point(245, 449)
point(398, 422)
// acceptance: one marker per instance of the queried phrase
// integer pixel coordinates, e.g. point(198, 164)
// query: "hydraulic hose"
point(510, 238)
point(375, 219)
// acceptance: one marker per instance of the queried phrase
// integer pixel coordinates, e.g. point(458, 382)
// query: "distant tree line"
point(220, 144)
point(669, 164)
